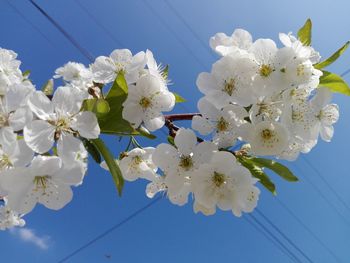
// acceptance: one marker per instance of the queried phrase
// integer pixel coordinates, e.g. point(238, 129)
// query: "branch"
point(181, 116)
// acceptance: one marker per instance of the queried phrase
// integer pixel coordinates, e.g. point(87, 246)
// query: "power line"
point(30, 22)
point(269, 236)
point(188, 26)
point(284, 236)
point(345, 73)
point(335, 209)
point(308, 229)
point(99, 24)
point(174, 33)
point(291, 253)
point(75, 43)
point(316, 171)
point(110, 230)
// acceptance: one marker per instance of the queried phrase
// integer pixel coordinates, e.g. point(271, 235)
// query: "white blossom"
point(9, 218)
point(266, 137)
point(9, 70)
point(223, 123)
point(225, 184)
point(136, 164)
point(58, 117)
point(106, 69)
point(42, 182)
point(240, 41)
point(178, 164)
point(145, 103)
point(230, 81)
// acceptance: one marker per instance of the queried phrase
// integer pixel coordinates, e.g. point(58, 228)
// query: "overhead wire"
point(68, 36)
point(270, 237)
point(325, 181)
point(308, 229)
point(110, 230)
point(37, 29)
point(291, 242)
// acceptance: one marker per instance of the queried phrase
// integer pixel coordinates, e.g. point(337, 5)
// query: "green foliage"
point(258, 172)
point(98, 106)
point(92, 150)
point(178, 98)
point(144, 132)
point(111, 163)
point(48, 87)
point(171, 140)
point(276, 167)
point(26, 74)
point(334, 82)
point(332, 58)
point(110, 118)
point(304, 33)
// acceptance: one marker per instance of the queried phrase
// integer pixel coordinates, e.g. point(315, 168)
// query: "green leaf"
point(92, 150)
point(304, 33)
point(113, 122)
point(26, 74)
point(332, 58)
point(278, 168)
point(144, 132)
point(334, 82)
point(178, 98)
point(99, 106)
point(258, 172)
point(111, 163)
point(48, 87)
point(171, 140)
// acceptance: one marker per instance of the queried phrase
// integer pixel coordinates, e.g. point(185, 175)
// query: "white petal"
point(39, 136)
point(23, 156)
point(205, 82)
point(154, 123)
point(66, 102)
point(326, 133)
point(20, 118)
point(185, 140)
point(40, 104)
point(45, 165)
point(165, 156)
point(59, 196)
point(202, 125)
point(86, 124)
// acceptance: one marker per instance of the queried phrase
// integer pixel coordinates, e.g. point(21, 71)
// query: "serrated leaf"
point(178, 98)
point(111, 163)
point(334, 82)
point(48, 87)
point(277, 167)
point(332, 58)
point(98, 106)
point(304, 33)
point(113, 122)
point(258, 172)
point(92, 150)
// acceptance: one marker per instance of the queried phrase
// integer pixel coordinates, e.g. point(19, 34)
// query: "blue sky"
point(164, 232)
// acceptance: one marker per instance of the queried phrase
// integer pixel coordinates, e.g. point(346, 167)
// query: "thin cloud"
point(29, 235)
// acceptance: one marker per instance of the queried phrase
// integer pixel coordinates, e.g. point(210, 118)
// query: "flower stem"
point(181, 116)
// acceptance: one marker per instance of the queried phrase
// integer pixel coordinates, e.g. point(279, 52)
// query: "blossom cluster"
point(266, 96)
point(270, 99)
